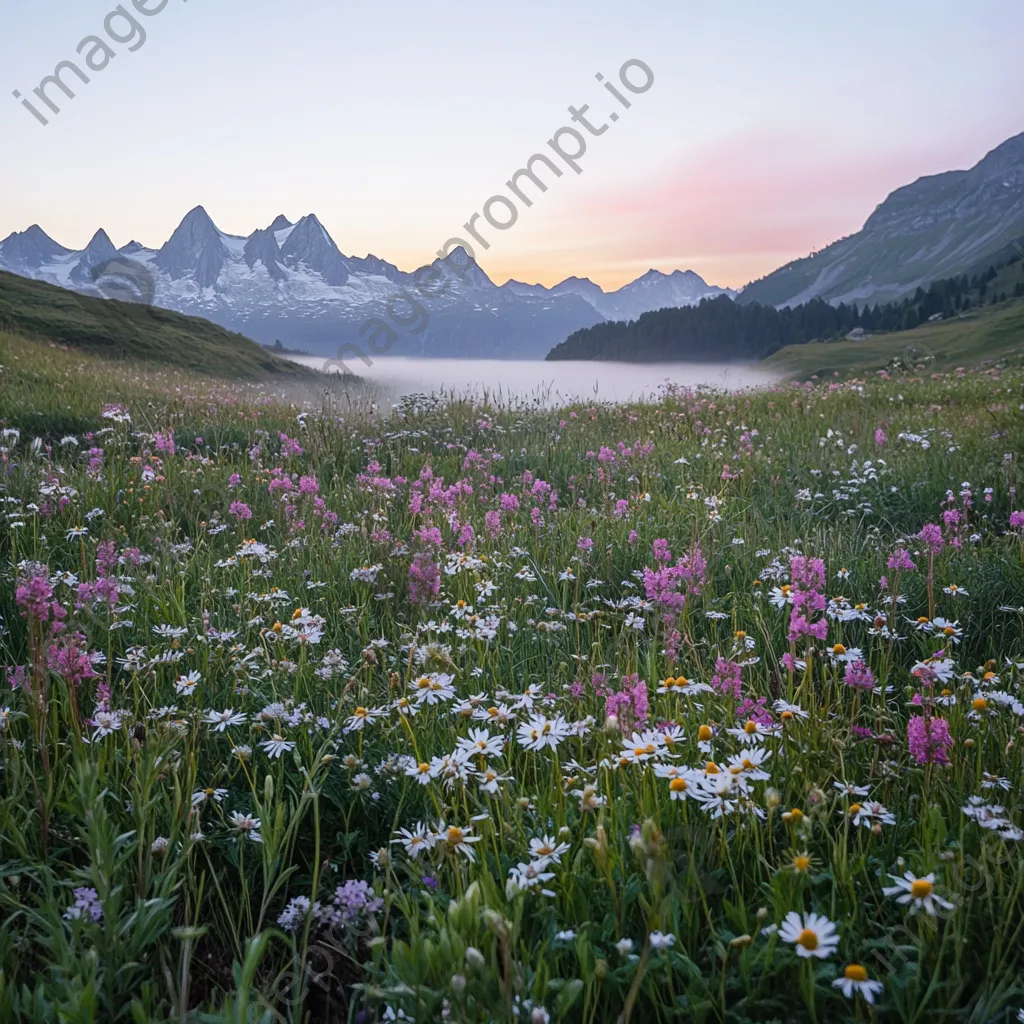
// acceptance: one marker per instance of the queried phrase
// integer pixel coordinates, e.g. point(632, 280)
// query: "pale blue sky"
point(771, 129)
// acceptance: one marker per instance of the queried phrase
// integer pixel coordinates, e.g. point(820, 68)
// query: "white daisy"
point(918, 892)
point(811, 934)
point(855, 979)
point(220, 720)
point(277, 745)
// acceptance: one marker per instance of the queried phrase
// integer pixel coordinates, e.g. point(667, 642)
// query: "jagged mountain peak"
point(30, 248)
point(195, 249)
point(654, 277)
point(577, 284)
point(310, 226)
point(465, 269)
point(100, 250)
point(261, 247)
point(281, 222)
point(101, 243)
point(198, 216)
point(309, 245)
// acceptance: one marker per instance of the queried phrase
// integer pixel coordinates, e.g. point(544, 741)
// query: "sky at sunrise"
point(770, 130)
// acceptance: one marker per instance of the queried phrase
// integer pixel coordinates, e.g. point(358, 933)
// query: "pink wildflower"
point(929, 739)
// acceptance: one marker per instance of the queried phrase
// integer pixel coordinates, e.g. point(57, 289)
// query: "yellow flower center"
point(704, 733)
point(979, 703)
point(750, 728)
point(854, 972)
point(677, 785)
point(454, 835)
point(838, 649)
point(796, 814)
point(801, 863)
point(855, 808)
point(921, 889)
point(807, 939)
point(948, 631)
point(922, 619)
point(740, 634)
point(711, 768)
point(359, 712)
point(423, 767)
point(786, 716)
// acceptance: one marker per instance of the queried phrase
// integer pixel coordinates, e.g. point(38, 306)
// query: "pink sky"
point(733, 212)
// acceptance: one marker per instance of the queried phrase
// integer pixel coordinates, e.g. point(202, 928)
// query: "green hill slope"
point(135, 333)
point(993, 336)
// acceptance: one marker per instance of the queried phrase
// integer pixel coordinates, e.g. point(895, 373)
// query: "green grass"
point(268, 577)
point(134, 333)
point(985, 338)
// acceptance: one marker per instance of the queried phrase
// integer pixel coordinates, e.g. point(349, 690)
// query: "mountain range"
point(939, 226)
point(290, 282)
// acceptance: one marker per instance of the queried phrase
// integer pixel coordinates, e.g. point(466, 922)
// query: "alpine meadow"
point(708, 707)
point(611, 615)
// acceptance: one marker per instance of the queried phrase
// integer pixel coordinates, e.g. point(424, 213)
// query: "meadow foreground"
point(706, 709)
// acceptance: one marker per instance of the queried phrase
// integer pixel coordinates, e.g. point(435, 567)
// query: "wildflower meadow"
point(707, 708)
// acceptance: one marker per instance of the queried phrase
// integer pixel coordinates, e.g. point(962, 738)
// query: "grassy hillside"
point(131, 332)
point(992, 336)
